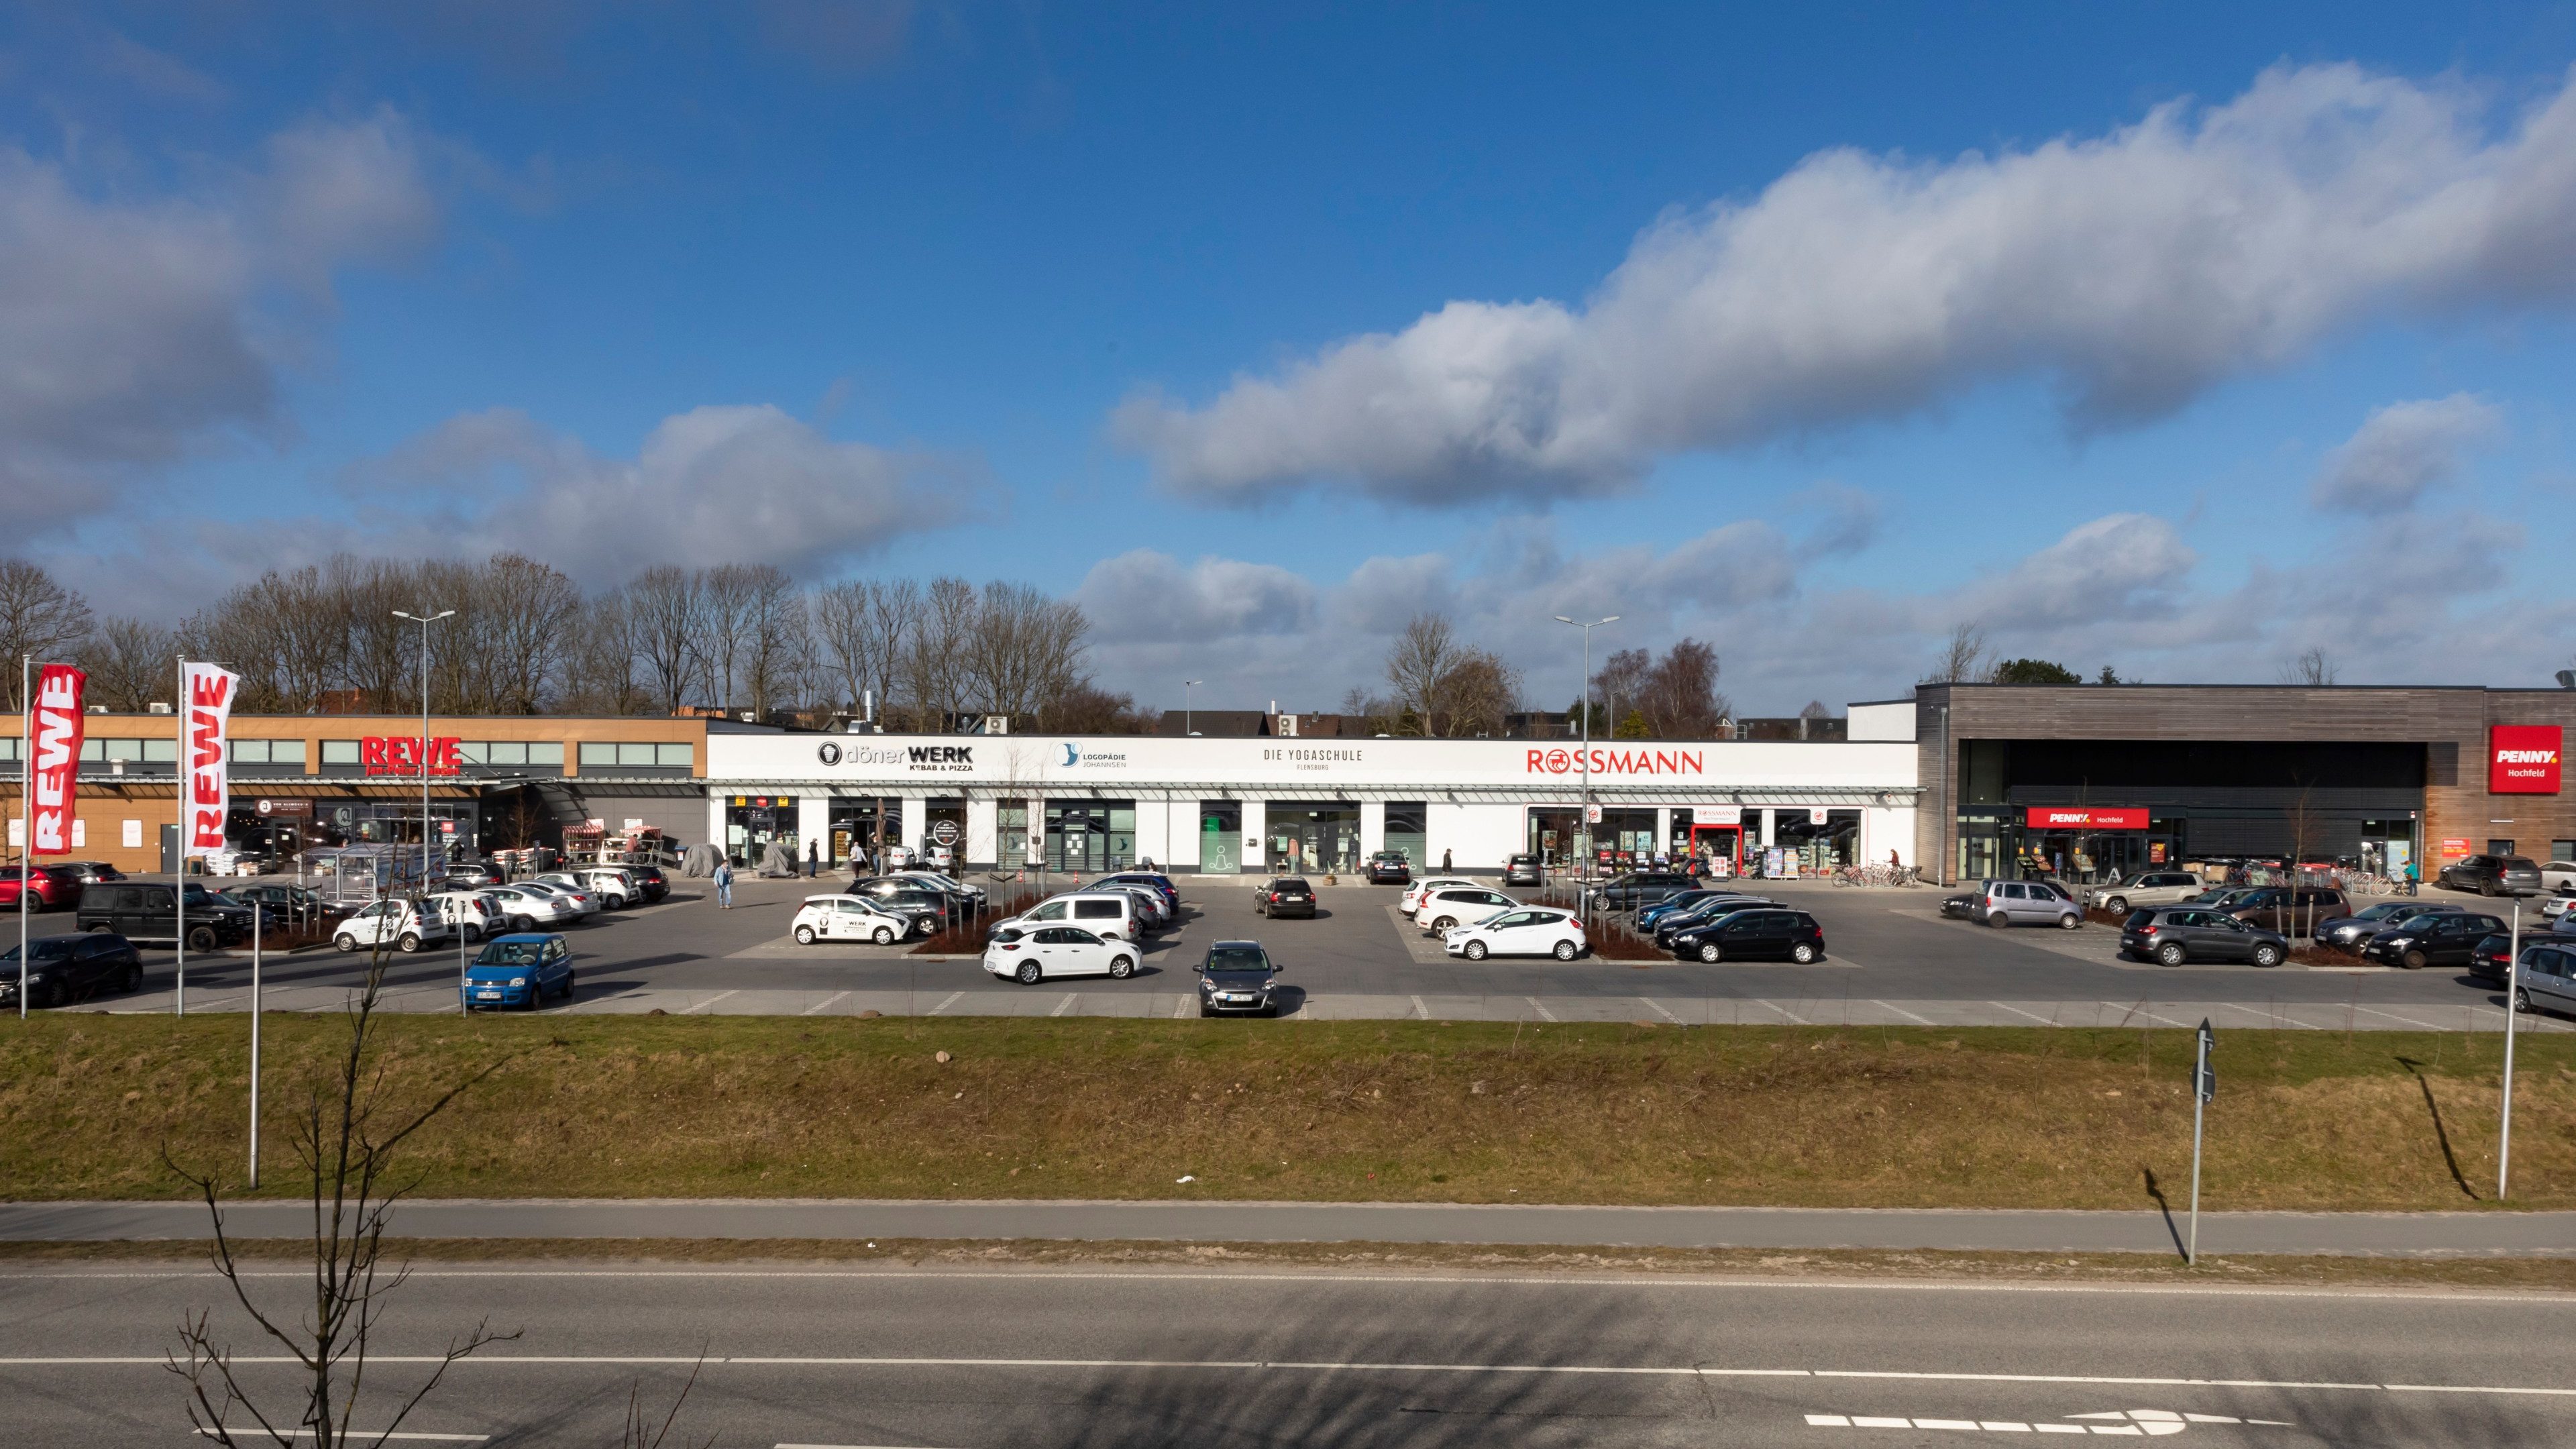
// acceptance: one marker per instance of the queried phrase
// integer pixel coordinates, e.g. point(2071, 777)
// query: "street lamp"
point(424, 621)
point(1186, 686)
point(1586, 833)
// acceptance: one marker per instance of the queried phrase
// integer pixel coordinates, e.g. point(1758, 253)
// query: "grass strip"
point(1353, 1111)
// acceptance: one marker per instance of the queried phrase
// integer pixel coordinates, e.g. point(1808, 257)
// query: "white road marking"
point(2017, 1011)
point(2149, 1015)
point(1180, 1008)
point(1901, 1011)
point(817, 1007)
point(1784, 1011)
point(1421, 1010)
point(953, 998)
point(1066, 1005)
point(710, 1001)
point(1540, 1007)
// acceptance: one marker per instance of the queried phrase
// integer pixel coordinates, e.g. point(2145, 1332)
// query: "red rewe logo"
point(2523, 759)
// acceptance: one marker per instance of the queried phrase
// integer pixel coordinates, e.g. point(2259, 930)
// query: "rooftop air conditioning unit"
point(1285, 727)
point(160, 707)
point(997, 724)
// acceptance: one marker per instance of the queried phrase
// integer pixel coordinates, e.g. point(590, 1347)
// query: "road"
point(1892, 963)
point(1960, 1229)
point(965, 1359)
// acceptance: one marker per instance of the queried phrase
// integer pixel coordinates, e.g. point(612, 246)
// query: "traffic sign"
point(2205, 1076)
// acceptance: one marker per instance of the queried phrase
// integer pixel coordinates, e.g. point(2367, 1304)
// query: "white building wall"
point(983, 838)
point(1184, 843)
point(1256, 835)
point(716, 820)
point(1478, 837)
point(1372, 827)
point(1158, 822)
point(916, 812)
point(813, 822)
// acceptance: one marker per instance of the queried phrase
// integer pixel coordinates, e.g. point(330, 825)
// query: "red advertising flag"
point(205, 719)
point(54, 758)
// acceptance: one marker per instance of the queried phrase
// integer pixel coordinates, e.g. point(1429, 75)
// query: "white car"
point(529, 907)
point(1411, 900)
point(586, 883)
point(1114, 914)
point(850, 918)
point(584, 903)
point(2558, 875)
point(476, 913)
point(1455, 905)
point(1530, 931)
point(399, 923)
point(1033, 954)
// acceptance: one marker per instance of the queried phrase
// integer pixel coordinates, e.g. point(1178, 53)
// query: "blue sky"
point(2173, 338)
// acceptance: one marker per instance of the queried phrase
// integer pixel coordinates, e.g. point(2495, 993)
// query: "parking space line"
point(1540, 1007)
point(1901, 1011)
point(710, 1001)
point(1659, 1011)
point(1180, 1008)
point(2017, 1011)
point(1784, 1011)
point(1421, 1010)
point(1066, 1005)
point(953, 998)
point(817, 1008)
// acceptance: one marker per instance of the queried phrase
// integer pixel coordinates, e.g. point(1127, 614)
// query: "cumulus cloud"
point(2401, 451)
point(2133, 269)
point(1146, 595)
point(135, 331)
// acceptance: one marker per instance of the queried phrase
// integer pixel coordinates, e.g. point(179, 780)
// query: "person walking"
point(813, 858)
point(724, 885)
point(1444, 862)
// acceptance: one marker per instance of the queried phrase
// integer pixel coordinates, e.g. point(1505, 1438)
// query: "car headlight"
point(518, 980)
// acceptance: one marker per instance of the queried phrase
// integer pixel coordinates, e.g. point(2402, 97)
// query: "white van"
point(1112, 915)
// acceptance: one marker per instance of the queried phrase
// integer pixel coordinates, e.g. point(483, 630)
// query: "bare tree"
point(839, 613)
point(2313, 668)
point(599, 673)
point(523, 614)
point(665, 607)
point(129, 664)
point(730, 594)
point(1023, 649)
point(1679, 696)
point(1476, 695)
point(890, 616)
point(935, 667)
point(1420, 662)
point(1962, 659)
point(775, 641)
point(38, 617)
point(347, 1138)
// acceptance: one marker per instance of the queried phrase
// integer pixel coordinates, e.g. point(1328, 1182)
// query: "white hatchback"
point(851, 918)
point(476, 913)
point(1030, 955)
point(588, 891)
point(1530, 931)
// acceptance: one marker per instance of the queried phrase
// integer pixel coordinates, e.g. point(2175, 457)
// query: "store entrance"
point(1724, 842)
point(1090, 836)
point(1313, 837)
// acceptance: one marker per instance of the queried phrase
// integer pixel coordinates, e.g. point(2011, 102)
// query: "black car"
point(1238, 978)
point(2416, 942)
point(2488, 957)
point(1672, 926)
point(1143, 880)
point(2349, 932)
point(2492, 875)
point(91, 872)
point(2171, 935)
point(282, 904)
point(63, 969)
point(474, 875)
point(1526, 870)
point(1762, 933)
point(147, 911)
point(1637, 888)
point(1286, 896)
point(650, 880)
point(1389, 867)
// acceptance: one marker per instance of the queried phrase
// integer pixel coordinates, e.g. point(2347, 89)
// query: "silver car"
point(2014, 902)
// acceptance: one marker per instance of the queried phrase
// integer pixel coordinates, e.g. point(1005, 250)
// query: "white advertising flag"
point(205, 720)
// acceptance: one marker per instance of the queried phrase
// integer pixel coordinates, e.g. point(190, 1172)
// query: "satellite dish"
point(2567, 679)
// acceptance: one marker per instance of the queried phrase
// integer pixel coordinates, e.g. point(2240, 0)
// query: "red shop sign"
point(400, 755)
point(2523, 760)
point(2052, 817)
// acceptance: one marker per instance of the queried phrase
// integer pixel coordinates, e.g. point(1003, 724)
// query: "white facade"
point(1477, 801)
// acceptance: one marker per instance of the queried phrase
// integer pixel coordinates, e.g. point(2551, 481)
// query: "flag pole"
point(258, 918)
point(26, 810)
point(179, 882)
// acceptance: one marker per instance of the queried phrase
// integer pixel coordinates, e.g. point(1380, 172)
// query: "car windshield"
point(1236, 958)
point(2384, 910)
point(2419, 923)
point(53, 950)
point(511, 953)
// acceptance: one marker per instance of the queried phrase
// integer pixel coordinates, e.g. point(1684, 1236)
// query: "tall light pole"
point(424, 621)
point(1186, 686)
point(1586, 833)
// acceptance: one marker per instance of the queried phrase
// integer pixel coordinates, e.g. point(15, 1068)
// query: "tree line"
point(1441, 686)
point(525, 639)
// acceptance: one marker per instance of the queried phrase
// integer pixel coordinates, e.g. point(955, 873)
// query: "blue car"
point(521, 970)
point(1674, 905)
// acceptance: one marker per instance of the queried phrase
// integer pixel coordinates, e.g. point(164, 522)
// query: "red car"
point(51, 887)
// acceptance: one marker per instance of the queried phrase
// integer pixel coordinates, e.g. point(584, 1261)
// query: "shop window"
point(1011, 833)
point(598, 755)
point(1313, 836)
point(1552, 834)
point(9, 748)
point(1817, 845)
point(680, 756)
point(1408, 829)
point(1090, 835)
point(339, 752)
point(1220, 836)
point(130, 751)
point(2562, 850)
point(2497, 846)
point(268, 752)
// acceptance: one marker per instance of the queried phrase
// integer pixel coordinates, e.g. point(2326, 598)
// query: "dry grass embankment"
point(761, 1106)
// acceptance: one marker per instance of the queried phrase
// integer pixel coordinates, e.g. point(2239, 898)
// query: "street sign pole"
point(258, 919)
point(2512, 1009)
point(2204, 1085)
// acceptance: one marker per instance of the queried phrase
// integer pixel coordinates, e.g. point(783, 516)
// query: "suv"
point(1286, 896)
point(1389, 867)
point(1523, 870)
point(2492, 875)
point(2004, 902)
point(650, 880)
point(1637, 888)
point(1459, 906)
point(2287, 908)
point(148, 911)
point(2416, 942)
point(2144, 888)
point(2175, 934)
point(49, 887)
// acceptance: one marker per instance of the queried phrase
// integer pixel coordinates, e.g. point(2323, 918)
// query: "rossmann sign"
point(2523, 759)
point(1611, 761)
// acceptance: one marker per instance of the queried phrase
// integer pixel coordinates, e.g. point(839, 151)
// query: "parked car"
point(65, 969)
point(2559, 875)
point(2492, 875)
point(1238, 977)
point(585, 904)
point(2443, 939)
point(608, 894)
point(913, 892)
point(1524, 870)
point(1159, 884)
point(2548, 979)
point(405, 925)
point(2007, 902)
point(90, 872)
point(1031, 954)
point(519, 970)
point(856, 918)
point(150, 911)
point(2290, 908)
point(530, 906)
point(1414, 894)
point(1635, 889)
point(1765, 934)
point(1529, 931)
point(474, 875)
point(972, 895)
point(283, 904)
point(2348, 933)
point(2144, 888)
point(1700, 915)
point(475, 914)
point(2488, 957)
point(2172, 935)
point(650, 879)
point(1287, 896)
point(1458, 905)
point(49, 887)
point(1113, 914)
point(1676, 904)
point(1152, 909)
point(1389, 867)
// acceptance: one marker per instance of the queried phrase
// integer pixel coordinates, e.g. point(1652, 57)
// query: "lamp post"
point(1186, 686)
point(1586, 833)
point(424, 621)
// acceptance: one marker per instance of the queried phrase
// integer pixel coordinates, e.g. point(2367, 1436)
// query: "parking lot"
point(1891, 961)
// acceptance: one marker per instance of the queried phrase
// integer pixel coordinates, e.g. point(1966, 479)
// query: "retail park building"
point(1967, 780)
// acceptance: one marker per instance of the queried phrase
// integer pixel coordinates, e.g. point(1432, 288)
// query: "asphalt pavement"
point(1020, 1359)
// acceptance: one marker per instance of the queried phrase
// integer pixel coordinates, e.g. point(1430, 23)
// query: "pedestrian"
point(813, 858)
point(1444, 862)
point(724, 885)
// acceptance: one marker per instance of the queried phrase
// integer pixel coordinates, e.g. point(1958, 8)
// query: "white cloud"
point(2402, 450)
point(1145, 595)
point(2133, 269)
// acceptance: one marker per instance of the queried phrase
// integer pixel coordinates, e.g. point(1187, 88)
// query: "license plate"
point(487, 996)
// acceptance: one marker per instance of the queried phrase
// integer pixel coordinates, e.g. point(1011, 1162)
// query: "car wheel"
point(1029, 974)
point(1204, 1011)
point(2169, 955)
point(1802, 953)
point(132, 981)
point(2267, 954)
point(472, 934)
point(1121, 967)
point(2486, 887)
point(1565, 950)
point(101, 929)
point(2117, 905)
point(202, 939)
point(2521, 1000)
point(1998, 919)
point(1475, 951)
point(804, 935)
point(1445, 923)
point(345, 942)
point(2069, 921)
point(1708, 952)
point(2412, 961)
point(523, 923)
point(884, 936)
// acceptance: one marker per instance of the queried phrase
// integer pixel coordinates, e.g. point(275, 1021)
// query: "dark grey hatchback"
point(1238, 978)
point(2171, 935)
